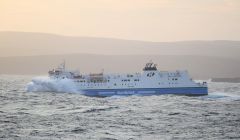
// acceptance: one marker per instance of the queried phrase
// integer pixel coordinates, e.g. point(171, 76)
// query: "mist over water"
point(48, 109)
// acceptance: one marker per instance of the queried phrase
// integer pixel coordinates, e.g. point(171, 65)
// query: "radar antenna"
point(150, 66)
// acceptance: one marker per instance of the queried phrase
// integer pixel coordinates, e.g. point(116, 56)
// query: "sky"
point(148, 20)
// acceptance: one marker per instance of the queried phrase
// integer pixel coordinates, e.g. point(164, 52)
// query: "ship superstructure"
point(149, 82)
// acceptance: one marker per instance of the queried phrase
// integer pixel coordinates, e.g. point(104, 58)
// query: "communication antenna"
point(63, 64)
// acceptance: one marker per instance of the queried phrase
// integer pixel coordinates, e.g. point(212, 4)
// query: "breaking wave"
point(46, 84)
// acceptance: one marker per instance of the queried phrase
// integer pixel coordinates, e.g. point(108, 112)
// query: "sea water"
point(50, 110)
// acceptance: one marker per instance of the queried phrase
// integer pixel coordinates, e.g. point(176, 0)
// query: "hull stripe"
point(191, 91)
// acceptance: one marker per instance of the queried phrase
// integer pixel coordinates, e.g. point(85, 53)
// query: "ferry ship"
point(148, 82)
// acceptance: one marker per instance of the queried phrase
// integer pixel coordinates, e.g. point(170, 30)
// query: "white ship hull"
point(149, 82)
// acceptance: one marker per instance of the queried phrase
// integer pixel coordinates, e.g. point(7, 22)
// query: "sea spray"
point(46, 84)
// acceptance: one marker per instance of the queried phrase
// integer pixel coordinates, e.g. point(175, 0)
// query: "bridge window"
point(129, 75)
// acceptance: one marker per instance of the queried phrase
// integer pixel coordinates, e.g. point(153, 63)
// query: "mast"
point(64, 64)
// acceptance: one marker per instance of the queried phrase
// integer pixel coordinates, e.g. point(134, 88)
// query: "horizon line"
point(97, 37)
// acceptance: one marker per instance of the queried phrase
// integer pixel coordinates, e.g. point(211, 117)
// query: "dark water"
point(49, 115)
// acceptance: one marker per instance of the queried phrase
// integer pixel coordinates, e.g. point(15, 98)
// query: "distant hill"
point(36, 53)
point(228, 80)
point(25, 44)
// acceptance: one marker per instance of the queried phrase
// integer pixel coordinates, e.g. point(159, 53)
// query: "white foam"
point(46, 84)
point(222, 96)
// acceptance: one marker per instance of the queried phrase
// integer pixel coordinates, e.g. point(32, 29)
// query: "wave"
point(221, 96)
point(46, 84)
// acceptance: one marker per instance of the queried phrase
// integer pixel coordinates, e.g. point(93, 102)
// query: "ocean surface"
point(57, 111)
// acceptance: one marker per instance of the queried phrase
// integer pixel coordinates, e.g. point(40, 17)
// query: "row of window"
point(174, 79)
point(168, 83)
point(128, 80)
point(122, 84)
point(124, 80)
point(173, 74)
point(80, 81)
point(129, 75)
point(95, 81)
point(102, 84)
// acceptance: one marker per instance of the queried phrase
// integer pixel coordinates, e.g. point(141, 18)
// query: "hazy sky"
point(153, 20)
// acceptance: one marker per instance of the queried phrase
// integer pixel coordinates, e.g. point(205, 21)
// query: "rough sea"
point(58, 111)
